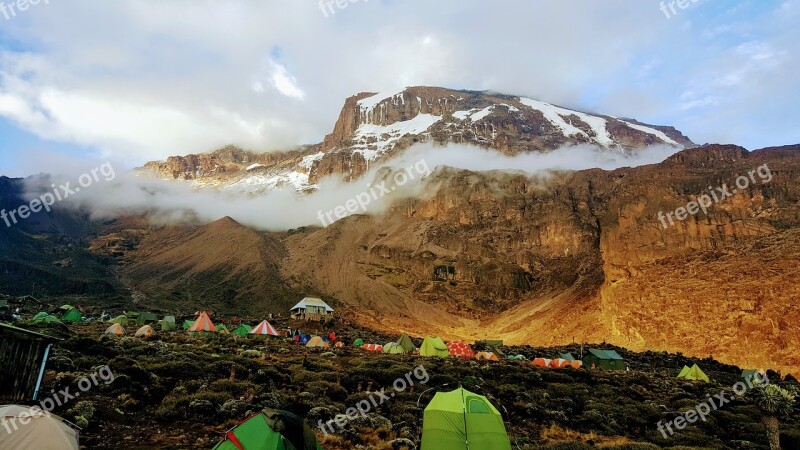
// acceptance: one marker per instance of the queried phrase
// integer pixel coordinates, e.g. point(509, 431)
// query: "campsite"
point(190, 388)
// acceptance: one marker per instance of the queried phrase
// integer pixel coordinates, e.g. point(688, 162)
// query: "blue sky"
point(135, 81)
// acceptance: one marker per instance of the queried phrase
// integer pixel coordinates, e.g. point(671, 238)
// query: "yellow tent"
point(694, 373)
point(317, 342)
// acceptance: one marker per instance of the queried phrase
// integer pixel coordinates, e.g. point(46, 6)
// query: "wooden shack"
point(23, 357)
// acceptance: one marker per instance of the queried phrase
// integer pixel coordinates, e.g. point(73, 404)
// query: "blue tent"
point(304, 338)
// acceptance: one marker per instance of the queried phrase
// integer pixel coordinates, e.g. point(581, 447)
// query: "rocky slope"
point(547, 260)
point(376, 126)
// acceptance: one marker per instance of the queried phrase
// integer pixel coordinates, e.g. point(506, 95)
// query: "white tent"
point(22, 427)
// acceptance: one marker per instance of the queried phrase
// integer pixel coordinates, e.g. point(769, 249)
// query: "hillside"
point(533, 260)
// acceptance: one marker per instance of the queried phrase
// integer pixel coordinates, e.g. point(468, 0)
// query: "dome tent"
point(434, 347)
point(271, 430)
point(145, 331)
point(39, 431)
point(460, 420)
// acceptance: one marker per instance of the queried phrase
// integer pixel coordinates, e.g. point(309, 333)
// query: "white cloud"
point(285, 83)
point(144, 80)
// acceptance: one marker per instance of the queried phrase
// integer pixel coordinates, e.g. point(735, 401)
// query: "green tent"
point(567, 356)
point(221, 328)
point(168, 324)
point(122, 320)
point(517, 357)
point(187, 324)
point(67, 307)
point(695, 374)
point(43, 318)
point(72, 316)
point(604, 359)
point(358, 342)
point(243, 330)
point(756, 376)
point(271, 430)
point(459, 420)
point(393, 348)
point(147, 318)
point(434, 347)
point(406, 343)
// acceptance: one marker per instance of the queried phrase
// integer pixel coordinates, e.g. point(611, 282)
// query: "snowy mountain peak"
point(373, 126)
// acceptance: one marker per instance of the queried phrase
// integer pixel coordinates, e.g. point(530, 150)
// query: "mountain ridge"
point(373, 127)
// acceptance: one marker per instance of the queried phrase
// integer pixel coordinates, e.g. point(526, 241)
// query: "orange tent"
point(339, 344)
point(577, 364)
point(202, 324)
point(541, 362)
point(373, 348)
point(116, 330)
point(460, 349)
point(559, 363)
point(487, 356)
point(265, 329)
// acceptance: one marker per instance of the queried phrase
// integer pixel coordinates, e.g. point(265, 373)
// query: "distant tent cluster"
point(201, 325)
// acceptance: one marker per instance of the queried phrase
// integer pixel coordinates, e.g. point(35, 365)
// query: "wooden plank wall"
point(20, 361)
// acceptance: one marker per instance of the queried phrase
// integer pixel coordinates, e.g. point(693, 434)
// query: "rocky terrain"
point(174, 391)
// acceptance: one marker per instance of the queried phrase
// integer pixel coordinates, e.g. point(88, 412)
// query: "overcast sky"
point(133, 81)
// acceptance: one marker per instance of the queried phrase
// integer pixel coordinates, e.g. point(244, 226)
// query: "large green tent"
point(604, 359)
point(168, 324)
point(43, 318)
point(393, 348)
point(243, 330)
point(694, 373)
point(187, 324)
point(434, 347)
point(271, 430)
point(406, 342)
point(73, 315)
point(147, 318)
point(461, 420)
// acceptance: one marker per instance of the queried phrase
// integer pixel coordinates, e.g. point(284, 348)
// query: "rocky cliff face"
point(373, 127)
point(583, 256)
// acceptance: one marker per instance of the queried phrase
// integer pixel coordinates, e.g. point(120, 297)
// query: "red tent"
point(265, 329)
point(203, 323)
point(372, 348)
point(461, 350)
